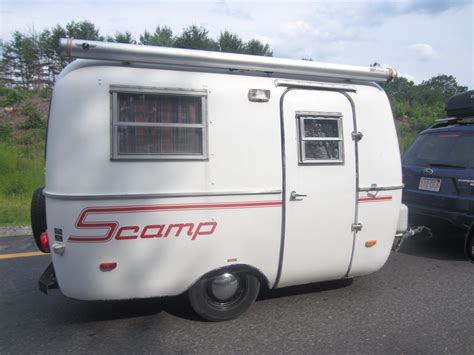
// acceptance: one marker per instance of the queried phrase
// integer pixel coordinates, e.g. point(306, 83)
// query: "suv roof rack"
point(451, 121)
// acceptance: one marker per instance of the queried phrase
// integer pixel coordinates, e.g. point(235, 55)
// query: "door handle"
point(294, 196)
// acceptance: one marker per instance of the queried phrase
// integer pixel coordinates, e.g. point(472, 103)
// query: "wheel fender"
point(236, 268)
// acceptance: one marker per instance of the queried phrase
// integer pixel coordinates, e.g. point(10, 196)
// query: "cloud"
point(422, 52)
point(318, 37)
point(222, 7)
point(375, 12)
point(403, 7)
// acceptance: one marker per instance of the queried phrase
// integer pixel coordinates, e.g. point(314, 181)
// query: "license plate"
point(429, 184)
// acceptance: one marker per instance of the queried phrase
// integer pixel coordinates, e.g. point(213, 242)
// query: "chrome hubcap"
point(224, 287)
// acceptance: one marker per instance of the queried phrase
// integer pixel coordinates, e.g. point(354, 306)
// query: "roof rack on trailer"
point(449, 121)
point(206, 59)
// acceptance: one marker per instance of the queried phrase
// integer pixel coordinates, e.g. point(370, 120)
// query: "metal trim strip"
point(302, 84)
point(381, 188)
point(133, 89)
point(60, 196)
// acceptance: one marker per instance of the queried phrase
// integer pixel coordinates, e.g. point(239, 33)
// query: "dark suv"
point(438, 170)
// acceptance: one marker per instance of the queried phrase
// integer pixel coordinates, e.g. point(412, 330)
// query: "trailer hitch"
point(410, 232)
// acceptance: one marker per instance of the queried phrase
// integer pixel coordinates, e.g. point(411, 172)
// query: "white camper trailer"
point(172, 170)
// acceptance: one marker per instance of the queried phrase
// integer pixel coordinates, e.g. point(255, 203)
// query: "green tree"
point(163, 36)
point(22, 61)
point(195, 37)
point(400, 89)
point(122, 37)
point(256, 47)
point(439, 89)
point(83, 30)
point(417, 107)
point(230, 42)
point(49, 44)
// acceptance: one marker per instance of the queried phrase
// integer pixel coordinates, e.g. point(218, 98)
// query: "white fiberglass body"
point(167, 222)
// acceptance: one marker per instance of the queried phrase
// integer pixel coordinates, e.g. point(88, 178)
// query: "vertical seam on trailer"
point(283, 189)
point(356, 152)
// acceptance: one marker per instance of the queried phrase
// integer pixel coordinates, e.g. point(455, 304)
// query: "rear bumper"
point(435, 217)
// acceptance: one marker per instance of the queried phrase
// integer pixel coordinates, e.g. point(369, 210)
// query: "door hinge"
point(357, 136)
point(356, 227)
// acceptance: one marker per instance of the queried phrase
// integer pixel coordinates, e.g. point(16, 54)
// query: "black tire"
point(206, 305)
point(38, 215)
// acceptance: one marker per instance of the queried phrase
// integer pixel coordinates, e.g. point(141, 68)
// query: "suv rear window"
point(444, 149)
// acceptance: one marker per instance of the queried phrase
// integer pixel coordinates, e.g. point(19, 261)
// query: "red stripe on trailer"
point(191, 206)
point(111, 226)
point(375, 199)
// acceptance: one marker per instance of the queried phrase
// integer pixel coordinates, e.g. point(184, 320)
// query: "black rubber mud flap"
point(48, 281)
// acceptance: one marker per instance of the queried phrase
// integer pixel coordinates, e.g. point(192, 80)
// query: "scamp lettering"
point(164, 231)
point(113, 230)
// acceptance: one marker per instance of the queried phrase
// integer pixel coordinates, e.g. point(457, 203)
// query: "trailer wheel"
point(38, 215)
point(225, 296)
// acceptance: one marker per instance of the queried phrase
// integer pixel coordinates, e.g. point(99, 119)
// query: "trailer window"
point(320, 138)
point(158, 125)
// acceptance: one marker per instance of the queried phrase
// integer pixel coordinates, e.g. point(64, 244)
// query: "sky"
point(419, 38)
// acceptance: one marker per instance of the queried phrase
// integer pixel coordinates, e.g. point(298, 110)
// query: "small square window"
point(320, 137)
point(150, 124)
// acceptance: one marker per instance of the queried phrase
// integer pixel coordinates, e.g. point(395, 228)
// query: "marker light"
point(44, 242)
point(108, 266)
point(259, 95)
point(370, 243)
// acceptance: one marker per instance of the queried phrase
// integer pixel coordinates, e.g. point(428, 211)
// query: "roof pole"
point(76, 48)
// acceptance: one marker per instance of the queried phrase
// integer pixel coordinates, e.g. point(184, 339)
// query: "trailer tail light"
point(108, 266)
point(44, 242)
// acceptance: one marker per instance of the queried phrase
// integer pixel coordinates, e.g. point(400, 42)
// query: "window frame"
point(301, 117)
point(115, 123)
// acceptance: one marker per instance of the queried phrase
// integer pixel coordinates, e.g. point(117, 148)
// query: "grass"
point(21, 172)
point(22, 132)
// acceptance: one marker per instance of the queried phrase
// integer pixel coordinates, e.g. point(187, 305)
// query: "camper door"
point(320, 186)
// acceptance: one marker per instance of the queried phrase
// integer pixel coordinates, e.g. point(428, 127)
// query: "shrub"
point(25, 139)
point(33, 117)
point(13, 96)
point(45, 93)
point(5, 132)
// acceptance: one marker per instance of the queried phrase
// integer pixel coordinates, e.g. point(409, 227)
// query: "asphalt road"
point(420, 302)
